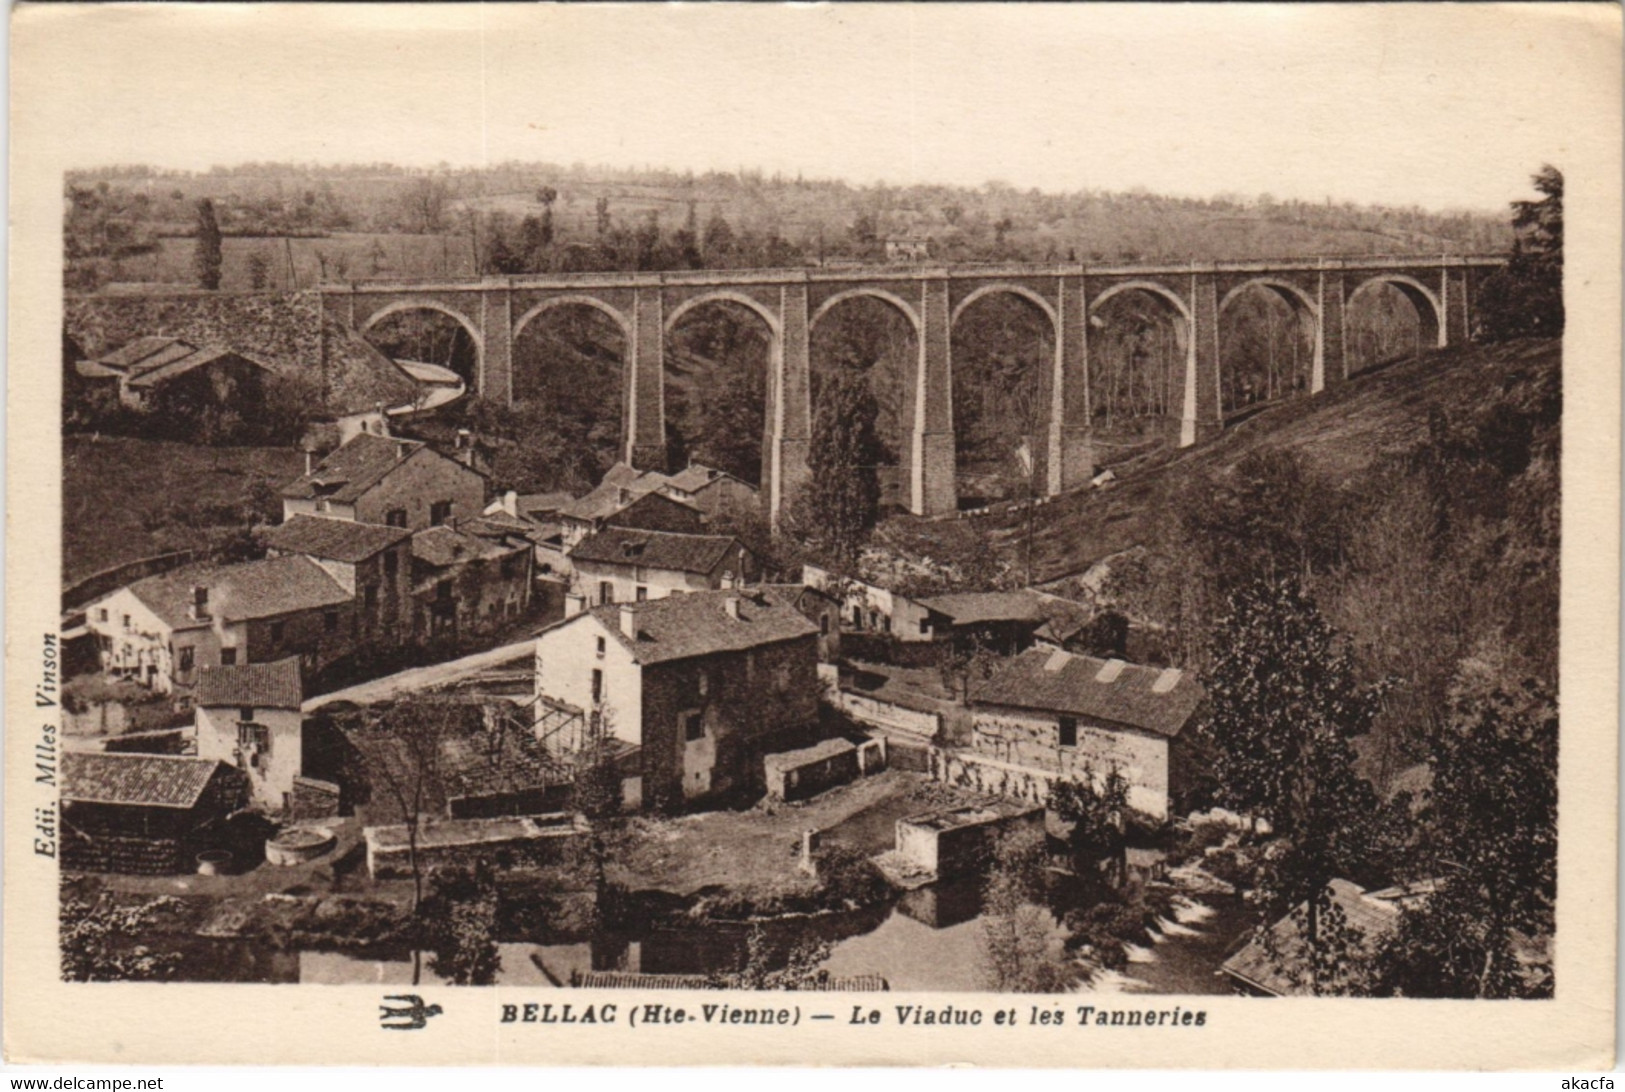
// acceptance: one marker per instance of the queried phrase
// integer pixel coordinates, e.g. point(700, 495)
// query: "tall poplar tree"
point(208, 254)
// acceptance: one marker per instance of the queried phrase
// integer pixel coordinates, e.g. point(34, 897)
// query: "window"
point(371, 601)
point(395, 517)
point(186, 659)
point(126, 623)
point(228, 656)
point(600, 646)
point(277, 629)
point(101, 615)
point(321, 504)
point(606, 592)
point(597, 685)
point(245, 713)
point(1069, 731)
point(925, 626)
point(330, 620)
point(442, 590)
point(392, 565)
point(642, 593)
point(439, 512)
point(693, 726)
point(705, 682)
point(823, 624)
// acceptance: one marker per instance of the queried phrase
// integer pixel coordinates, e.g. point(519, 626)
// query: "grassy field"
point(125, 498)
point(1340, 432)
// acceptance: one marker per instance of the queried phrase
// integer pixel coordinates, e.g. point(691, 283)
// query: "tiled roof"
point(334, 539)
point(1148, 698)
point(1284, 974)
point(356, 377)
point(1063, 618)
point(977, 608)
point(443, 547)
point(698, 624)
point(530, 505)
point(696, 476)
point(667, 550)
point(163, 373)
point(144, 353)
point(276, 685)
point(254, 589)
point(351, 470)
point(614, 493)
point(165, 781)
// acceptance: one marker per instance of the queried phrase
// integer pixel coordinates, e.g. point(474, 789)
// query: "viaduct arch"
point(791, 301)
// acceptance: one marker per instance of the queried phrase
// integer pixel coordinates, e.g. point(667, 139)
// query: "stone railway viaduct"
point(790, 302)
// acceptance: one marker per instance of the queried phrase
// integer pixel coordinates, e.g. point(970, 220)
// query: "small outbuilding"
point(144, 813)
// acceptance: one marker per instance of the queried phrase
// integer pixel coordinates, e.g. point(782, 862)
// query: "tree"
point(1023, 947)
point(718, 244)
point(458, 922)
point(1525, 298)
point(208, 257)
point(1285, 706)
point(1099, 819)
point(400, 750)
point(843, 490)
point(259, 271)
point(424, 205)
point(1490, 852)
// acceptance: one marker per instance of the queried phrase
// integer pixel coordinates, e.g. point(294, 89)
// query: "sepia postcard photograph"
point(1062, 535)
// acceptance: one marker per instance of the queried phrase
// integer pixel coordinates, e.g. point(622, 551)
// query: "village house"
point(214, 377)
point(820, 608)
point(141, 813)
point(464, 585)
point(703, 684)
point(626, 498)
point(371, 561)
point(715, 492)
point(870, 608)
point(248, 717)
point(912, 246)
point(1061, 715)
point(623, 564)
point(378, 479)
point(161, 631)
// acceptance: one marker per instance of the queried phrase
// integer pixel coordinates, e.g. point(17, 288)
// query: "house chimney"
point(462, 438)
point(623, 494)
point(731, 604)
point(200, 603)
point(629, 621)
point(308, 460)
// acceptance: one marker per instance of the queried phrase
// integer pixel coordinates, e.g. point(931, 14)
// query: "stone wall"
point(889, 716)
point(313, 799)
point(1032, 741)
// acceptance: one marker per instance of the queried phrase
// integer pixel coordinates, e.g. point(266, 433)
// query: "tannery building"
point(1060, 715)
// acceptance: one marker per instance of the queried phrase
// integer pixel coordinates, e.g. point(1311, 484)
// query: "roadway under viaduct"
point(791, 301)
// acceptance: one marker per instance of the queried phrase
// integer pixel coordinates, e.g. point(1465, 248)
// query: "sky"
point(1438, 105)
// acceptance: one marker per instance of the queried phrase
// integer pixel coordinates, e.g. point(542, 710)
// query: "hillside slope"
point(1340, 433)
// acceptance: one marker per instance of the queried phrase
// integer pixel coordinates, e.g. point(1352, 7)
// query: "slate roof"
point(334, 539)
point(164, 781)
point(254, 589)
point(276, 685)
point(670, 550)
point(1148, 698)
point(444, 546)
point(349, 471)
point(607, 498)
point(1284, 974)
point(698, 624)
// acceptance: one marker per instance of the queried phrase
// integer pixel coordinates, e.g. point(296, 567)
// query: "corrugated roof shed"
point(351, 470)
point(1147, 698)
point(254, 589)
point(163, 781)
point(276, 685)
point(699, 624)
point(670, 550)
point(334, 539)
point(1285, 973)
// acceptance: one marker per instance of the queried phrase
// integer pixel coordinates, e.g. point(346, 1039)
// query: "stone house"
point(703, 685)
point(715, 492)
point(202, 377)
point(248, 717)
point(464, 585)
point(378, 479)
point(623, 564)
point(871, 608)
point(820, 608)
point(161, 631)
point(144, 813)
point(626, 498)
point(1059, 715)
point(372, 562)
